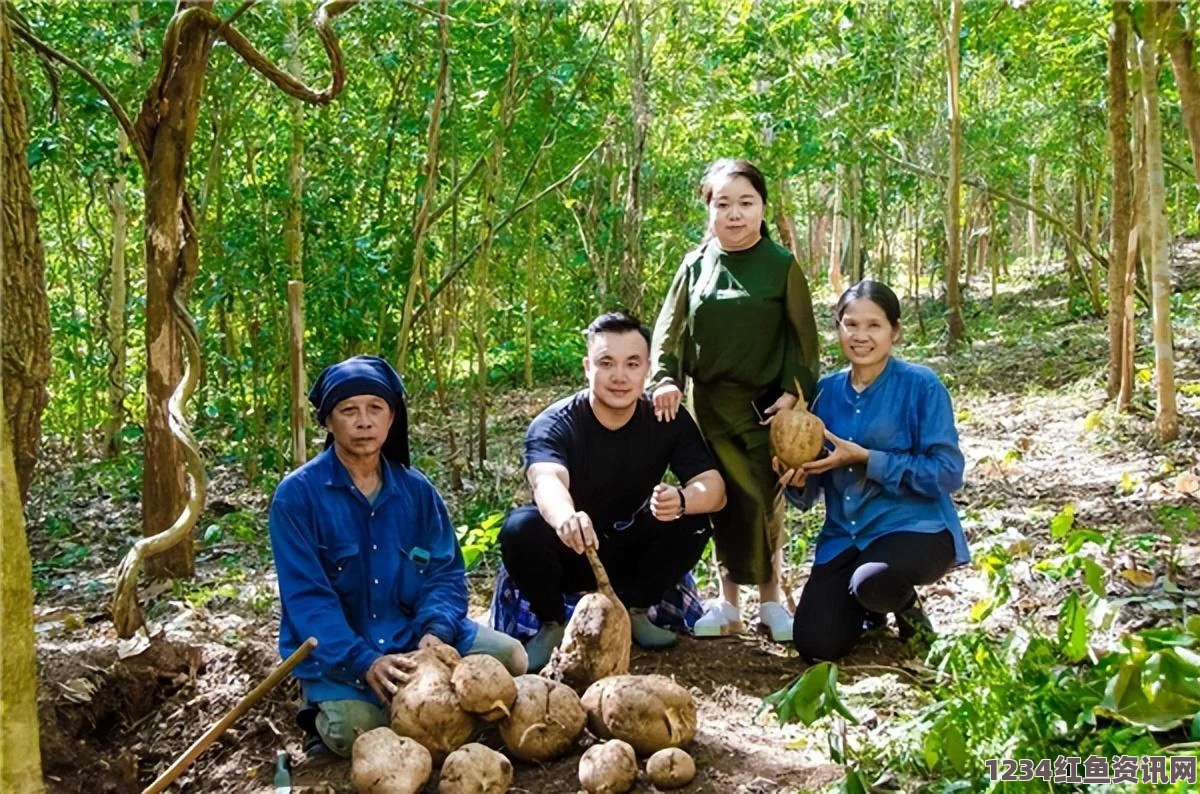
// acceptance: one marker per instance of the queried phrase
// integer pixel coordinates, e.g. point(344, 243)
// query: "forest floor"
point(1029, 391)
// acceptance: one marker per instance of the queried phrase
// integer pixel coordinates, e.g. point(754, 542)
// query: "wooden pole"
point(244, 705)
point(295, 292)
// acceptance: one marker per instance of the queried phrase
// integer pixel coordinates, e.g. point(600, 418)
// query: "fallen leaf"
point(132, 646)
point(78, 690)
point(1139, 578)
point(1187, 483)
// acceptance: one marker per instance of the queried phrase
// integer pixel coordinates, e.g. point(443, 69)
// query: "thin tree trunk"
point(293, 243)
point(1166, 420)
point(629, 283)
point(856, 224)
point(491, 190)
point(24, 313)
point(916, 269)
point(530, 274)
point(421, 224)
point(783, 220)
point(1181, 44)
point(1034, 240)
point(953, 221)
point(1122, 190)
point(118, 284)
point(835, 235)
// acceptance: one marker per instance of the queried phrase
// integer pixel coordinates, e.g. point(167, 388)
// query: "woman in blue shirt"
point(894, 461)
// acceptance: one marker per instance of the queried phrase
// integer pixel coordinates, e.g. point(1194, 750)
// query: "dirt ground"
point(114, 715)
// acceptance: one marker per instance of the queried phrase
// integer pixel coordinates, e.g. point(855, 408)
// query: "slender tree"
point(1122, 190)
point(1166, 419)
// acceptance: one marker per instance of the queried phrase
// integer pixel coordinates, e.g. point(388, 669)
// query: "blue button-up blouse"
point(365, 578)
point(905, 419)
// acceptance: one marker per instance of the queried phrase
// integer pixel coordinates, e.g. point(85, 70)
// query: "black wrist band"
point(682, 502)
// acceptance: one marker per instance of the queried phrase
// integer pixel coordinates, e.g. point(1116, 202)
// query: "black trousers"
point(642, 561)
point(880, 578)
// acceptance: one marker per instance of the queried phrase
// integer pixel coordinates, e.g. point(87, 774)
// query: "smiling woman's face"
point(865, 333)
point(735, 213)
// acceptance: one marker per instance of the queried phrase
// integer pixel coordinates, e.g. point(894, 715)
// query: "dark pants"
point(880, 578)
point(642, 561)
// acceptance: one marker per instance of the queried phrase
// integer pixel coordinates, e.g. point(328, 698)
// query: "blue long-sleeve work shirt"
point(364, 578)
point(905, 420)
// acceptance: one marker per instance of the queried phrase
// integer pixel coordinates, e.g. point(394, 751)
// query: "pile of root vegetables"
point(450, 700)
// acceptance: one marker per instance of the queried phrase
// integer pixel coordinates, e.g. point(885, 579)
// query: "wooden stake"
point(243, 705)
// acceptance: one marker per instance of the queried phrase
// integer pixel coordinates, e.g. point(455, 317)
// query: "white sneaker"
point(777, 619)
point(719, 619)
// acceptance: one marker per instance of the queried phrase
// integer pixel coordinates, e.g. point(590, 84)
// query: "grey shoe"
point(646, 634)
point(543, 644)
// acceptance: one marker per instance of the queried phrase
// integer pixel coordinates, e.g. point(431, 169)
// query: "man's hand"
point(430, 640)
point(666, 402)
point(388, 673)
point(664, 502)
point(792, 477)
point(577, 532)
point(786, 400)
point(844, 453)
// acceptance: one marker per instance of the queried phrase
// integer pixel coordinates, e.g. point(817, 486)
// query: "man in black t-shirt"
point(595, 462)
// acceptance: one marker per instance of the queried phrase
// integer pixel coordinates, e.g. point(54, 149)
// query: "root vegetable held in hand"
point(475, 769)
point(670, 768)
point(384, 763)
point(596, 639)
point(426, 708)
point(484, 687)
point(797, 435)
point(609, 768)
point(650, 712)
point(547, 718)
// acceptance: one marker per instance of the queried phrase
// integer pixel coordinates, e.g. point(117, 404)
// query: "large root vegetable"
point(670, 768)
point(797, 435)
point(650, 712)
point(475, 769)
point(426, 708)
point(609, 768)
point(384, 763)
point(547, 718)
point(596, 639)
point(484, 687)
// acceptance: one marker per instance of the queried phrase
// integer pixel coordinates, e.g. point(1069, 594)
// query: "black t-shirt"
point(613, 472)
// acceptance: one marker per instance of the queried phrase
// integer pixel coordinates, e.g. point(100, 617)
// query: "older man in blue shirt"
point(367, 559)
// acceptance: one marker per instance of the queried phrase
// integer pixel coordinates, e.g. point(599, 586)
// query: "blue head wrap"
point(365, 375)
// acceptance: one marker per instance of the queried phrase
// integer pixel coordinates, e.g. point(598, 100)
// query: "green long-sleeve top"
point(744, 317)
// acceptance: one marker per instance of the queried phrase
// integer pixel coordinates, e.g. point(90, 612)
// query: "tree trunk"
point(432, 155)
point(491, 189)
point(167, 125)
point(118, 288)
point(783, 221)
point(24, 313)
point(20, 759)
point(835, 235)
point(629, 283)
point(530, 275)
point(1122, 190)
point(856, 224)
point(953, 210)
point(1181, 44)
point(1034, 240)
point(1166, 420)
point(293, 243)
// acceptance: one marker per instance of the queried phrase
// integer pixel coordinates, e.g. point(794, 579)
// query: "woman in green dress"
point(738, 320)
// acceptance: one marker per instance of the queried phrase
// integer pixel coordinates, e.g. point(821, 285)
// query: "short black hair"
point(618, 322)
point(875, 291)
